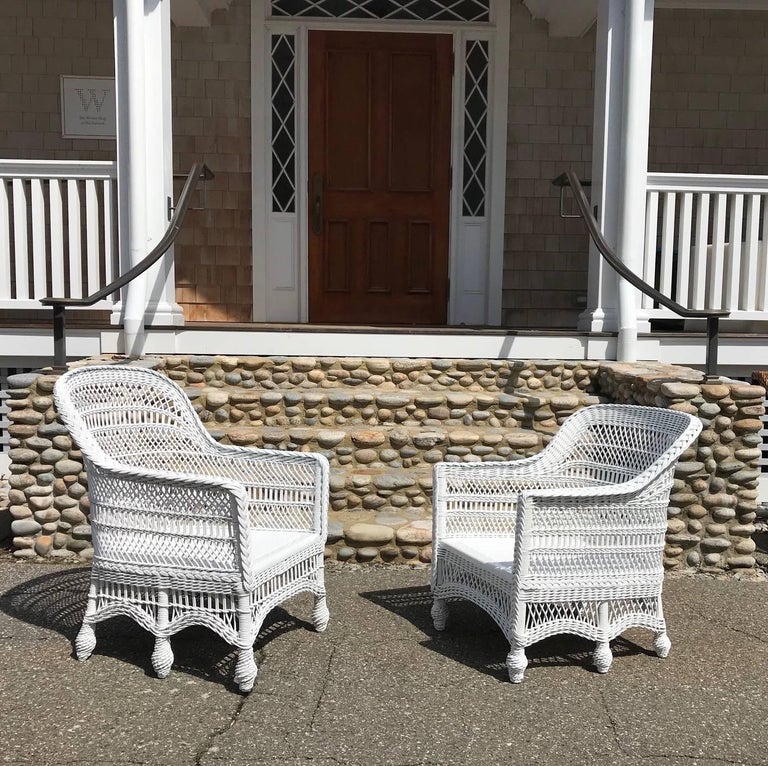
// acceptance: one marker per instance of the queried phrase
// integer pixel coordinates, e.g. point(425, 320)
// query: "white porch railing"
point(706, 244)
point(58, 230)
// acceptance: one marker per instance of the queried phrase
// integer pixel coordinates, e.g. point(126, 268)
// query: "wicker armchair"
point(187, 531)
point(569, 540)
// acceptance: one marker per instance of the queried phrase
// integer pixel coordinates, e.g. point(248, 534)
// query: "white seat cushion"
point(270, 547)
point(496, 554)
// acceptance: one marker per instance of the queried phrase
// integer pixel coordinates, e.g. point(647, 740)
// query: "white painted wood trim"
point(707, 182)
point(302, 168)
point(61, 169)
point(497, 159)
point(259, 149)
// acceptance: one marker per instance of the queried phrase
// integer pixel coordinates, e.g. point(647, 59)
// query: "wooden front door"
point(379, 177)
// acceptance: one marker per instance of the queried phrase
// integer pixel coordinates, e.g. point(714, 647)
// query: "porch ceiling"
point(575, 18)
point(195, 13)
point(572, 19)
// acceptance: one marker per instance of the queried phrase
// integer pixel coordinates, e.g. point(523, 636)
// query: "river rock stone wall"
point(383, 423)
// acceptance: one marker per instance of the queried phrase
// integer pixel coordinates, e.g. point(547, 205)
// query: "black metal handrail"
point(198, 172)
point(711, 315)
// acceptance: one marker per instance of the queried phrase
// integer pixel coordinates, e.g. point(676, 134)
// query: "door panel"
point(379, 160)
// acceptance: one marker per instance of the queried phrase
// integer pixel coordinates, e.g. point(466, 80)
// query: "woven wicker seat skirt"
point(494, 557)
point(570, 540)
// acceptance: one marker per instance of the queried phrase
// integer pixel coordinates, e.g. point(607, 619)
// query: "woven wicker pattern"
point(569, 540)
point(187, 531)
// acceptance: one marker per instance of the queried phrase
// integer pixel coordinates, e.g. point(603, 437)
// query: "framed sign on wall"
point(88, 107)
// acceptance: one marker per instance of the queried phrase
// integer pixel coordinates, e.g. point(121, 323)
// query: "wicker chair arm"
point(604, 534)
point(172, 524)
point(460, 487)
point(303, 473)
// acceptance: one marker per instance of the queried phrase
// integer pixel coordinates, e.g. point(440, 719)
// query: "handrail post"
point(59, 336)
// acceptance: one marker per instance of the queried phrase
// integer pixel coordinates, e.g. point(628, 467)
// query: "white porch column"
point(162, 308)
point(620, 163)
point(602, 301)
point(144, 151)
point(633, 169)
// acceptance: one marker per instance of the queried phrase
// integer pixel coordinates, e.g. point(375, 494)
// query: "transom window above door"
point(422, 10)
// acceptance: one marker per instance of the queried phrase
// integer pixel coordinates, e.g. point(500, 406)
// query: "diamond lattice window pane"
point(475, 127)
point(283, 124)
point(423, 10)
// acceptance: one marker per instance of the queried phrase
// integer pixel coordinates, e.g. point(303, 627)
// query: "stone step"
point(390, 446)
point(383, 513)
point(333, 408)
point(281, 373)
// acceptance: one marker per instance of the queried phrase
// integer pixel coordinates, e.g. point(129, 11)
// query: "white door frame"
point(280, 241)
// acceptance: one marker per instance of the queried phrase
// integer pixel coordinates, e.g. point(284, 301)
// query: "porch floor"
point(27, 341)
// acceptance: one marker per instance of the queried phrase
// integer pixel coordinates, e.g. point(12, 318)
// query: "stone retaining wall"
point(383, 423)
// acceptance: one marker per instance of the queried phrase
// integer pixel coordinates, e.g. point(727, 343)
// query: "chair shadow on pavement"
point(473, 638)
point(56, 602)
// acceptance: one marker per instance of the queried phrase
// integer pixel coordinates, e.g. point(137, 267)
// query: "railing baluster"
point(732, 259)
point(109, 242)
point(684, 250)
point(667, 243)
point(75, 241)
point(649, 259)
point(20, 239)
point(762, 259)
point(749, 264)
point(5, 242)
point(39, 254)
point(92, 236)
point(717, 254)
point(699, 270)
point(57, 238)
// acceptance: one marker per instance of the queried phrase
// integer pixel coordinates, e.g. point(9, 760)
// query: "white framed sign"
point(88, 107)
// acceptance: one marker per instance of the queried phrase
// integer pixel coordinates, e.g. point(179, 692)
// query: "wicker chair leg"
point(439, 613)
point(245, 670)
point(85, 642)
point(602, 657)
point(517, 662)
point(320, 614)
point(662, 644)
point(162, 656)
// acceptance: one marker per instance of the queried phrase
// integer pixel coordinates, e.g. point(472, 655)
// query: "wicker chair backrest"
point(133, 415)
point(610, 444)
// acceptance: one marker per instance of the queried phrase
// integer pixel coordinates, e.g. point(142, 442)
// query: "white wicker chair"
point(567, 541)
point(187, 531)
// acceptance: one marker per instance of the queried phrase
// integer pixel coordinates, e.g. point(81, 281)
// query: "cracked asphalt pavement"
point(381, 687)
